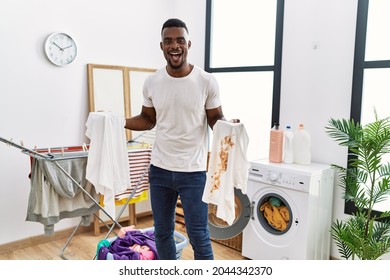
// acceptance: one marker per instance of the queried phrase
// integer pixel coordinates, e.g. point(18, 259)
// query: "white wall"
point(318, 50)
point(45, 105)
point(318, 53)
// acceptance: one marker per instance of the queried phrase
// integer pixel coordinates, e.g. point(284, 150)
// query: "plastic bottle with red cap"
point(302, 146)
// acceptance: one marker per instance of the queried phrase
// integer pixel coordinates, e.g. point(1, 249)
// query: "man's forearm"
point(139, 123)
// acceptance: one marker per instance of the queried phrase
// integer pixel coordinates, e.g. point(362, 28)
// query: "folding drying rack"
point(55, 155)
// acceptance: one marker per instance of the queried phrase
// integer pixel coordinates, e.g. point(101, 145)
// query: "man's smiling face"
point(175, 45)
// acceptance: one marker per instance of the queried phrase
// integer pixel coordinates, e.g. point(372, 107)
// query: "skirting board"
point(40, 239)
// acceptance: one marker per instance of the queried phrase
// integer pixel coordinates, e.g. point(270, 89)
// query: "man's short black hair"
point(174, 22)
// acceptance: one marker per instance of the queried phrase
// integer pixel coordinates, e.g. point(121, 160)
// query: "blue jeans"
point(165, 187)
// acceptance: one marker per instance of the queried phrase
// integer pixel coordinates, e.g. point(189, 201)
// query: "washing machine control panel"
point(282, 178)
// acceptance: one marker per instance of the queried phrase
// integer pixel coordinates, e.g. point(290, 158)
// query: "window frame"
point(276, 68)
point(360, 64)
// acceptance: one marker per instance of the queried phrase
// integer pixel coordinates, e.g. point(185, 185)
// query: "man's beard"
point(176, 66)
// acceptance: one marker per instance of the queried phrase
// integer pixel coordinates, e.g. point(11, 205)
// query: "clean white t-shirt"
point(108, 164)
point(181, 129)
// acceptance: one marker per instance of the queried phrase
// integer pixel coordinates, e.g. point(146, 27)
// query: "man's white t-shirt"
point(181, 129)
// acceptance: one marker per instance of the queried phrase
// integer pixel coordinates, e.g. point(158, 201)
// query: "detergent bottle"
point(302, 146)
point(276, 144)
point(288, 149)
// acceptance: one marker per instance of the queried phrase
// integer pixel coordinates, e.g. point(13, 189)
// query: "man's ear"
point(161, 46)
point(189, 43)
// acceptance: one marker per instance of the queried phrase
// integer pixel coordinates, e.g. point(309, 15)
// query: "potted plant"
point(365, 235)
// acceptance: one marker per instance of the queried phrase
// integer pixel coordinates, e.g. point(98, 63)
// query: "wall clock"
point(60, 49)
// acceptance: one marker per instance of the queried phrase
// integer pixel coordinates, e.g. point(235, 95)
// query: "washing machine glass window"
point(274, 214)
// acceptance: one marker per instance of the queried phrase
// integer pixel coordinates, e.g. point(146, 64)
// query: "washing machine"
point(290, 212)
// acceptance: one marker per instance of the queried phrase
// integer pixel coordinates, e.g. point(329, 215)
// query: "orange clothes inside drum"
point(277, 215)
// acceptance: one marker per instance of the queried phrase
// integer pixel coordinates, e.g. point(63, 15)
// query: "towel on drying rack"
point(139, 160)
point(53, 196)
point(59, 181)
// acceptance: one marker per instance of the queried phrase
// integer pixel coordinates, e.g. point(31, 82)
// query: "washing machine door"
point(219, 229)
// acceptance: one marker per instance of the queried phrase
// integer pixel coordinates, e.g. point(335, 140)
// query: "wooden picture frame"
point(117, 89)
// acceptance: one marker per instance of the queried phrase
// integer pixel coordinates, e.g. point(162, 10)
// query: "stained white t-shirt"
point(228, 168)
point(181, 142)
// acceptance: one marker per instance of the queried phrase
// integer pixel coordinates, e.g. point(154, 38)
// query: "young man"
point(181, 100)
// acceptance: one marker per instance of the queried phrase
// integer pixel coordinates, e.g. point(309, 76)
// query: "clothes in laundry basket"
point(135, 245)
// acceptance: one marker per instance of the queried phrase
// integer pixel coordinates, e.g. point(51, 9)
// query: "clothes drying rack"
point(59, 155)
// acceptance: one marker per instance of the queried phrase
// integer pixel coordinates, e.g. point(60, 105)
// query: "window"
point(371, 77)
point(243, 50)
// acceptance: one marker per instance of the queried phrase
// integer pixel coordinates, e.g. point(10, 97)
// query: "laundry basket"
point(180, 240)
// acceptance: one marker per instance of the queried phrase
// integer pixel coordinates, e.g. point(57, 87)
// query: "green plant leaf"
point(365, 182)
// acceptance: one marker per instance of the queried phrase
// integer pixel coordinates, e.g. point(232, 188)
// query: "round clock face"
point(60, 49)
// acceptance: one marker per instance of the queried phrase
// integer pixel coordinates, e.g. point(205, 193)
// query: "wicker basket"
point(234, 242)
